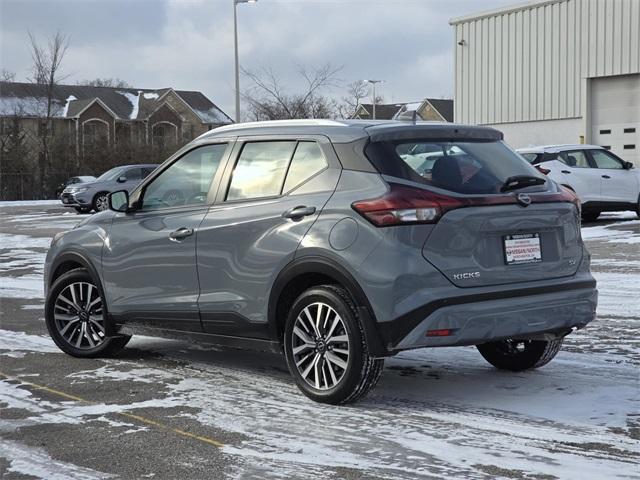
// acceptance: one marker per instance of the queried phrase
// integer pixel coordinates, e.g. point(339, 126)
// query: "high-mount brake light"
point(404, 205)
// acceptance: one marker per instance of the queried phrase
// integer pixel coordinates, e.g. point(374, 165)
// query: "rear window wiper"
point(520, 181)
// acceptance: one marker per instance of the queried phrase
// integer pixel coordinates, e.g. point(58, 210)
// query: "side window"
point(307, 161)
point(146, 171)
point(260, 170)
point(186, 181)
point(133, 174)
point(575, 159)
point(605, 160)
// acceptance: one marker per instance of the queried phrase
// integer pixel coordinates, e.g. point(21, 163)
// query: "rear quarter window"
point(473, 167)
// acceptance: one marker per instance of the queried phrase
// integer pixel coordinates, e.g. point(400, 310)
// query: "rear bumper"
point(475, 319)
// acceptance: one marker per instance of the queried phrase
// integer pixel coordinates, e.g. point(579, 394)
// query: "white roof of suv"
point(558, 148)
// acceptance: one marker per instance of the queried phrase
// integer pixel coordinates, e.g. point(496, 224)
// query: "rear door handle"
point(298, 212)
point(180, 234)
point(565, 171)
point(606, 176)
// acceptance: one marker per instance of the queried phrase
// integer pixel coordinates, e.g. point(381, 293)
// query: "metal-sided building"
point(553, 71)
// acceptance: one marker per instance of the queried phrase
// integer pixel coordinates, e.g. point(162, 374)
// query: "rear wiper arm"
point(520, 181)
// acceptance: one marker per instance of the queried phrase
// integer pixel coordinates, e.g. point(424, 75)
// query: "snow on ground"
point(28, 203)
point(435, 412)
point(35, 462)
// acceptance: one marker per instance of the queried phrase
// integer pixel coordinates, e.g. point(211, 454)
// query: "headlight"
point(78, 189)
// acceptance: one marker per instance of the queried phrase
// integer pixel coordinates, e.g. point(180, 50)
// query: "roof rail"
point(279, 123)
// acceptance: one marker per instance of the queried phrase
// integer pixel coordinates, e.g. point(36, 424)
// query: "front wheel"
point(75, 317)
point(519, 355)
point(326, 349)
point(101, 202)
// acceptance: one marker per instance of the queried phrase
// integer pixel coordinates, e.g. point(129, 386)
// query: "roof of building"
point(502, 10)
point(384, 111)
point(390, 111)
point(29, 99)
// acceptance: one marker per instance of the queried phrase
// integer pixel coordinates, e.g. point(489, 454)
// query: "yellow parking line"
point(131, 416)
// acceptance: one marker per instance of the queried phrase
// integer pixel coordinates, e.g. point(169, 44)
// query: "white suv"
point(602, 181)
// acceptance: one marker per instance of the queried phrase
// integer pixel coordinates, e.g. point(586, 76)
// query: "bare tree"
point(268, 99)
point(356, 92)
point(7, 76)
point(47, 60)
point(106, 82)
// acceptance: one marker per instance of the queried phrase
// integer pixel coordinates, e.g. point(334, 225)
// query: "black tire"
point(590, 216)
point(362, 371)
point(101, 202)
point(82, 209)
point(104, 346)
point(519, 355)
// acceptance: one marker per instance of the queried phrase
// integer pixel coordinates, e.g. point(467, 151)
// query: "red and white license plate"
point(523, 248)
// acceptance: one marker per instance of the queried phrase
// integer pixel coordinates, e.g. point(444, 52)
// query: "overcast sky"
point(188, 44)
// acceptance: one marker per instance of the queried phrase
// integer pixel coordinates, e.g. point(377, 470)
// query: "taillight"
point(404, 205)
point(542, 169)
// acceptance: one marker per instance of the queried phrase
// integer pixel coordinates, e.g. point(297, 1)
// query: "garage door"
point(615, 115)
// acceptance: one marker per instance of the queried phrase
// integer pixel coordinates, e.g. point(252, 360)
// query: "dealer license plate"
point(523, 248)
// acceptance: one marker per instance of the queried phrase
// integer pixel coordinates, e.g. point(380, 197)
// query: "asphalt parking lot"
point(166, 409)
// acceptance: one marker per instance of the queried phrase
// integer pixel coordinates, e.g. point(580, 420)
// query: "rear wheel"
point(75, 316)
point(326, 349)
point(590, 216)
point(519, 355)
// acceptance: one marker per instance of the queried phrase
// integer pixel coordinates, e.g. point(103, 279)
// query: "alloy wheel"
point(102, 203)
point(320, 346)
point(78, 315)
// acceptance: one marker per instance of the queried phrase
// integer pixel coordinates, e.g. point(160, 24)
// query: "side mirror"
point(119, 201)
point(122, 179)
point(627, 165)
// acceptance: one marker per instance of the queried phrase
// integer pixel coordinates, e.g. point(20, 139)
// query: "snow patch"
point(20, 342)
point(28, 203)
point(134, 100)
point(151, 96)
point(35, 462)
point(65, 109)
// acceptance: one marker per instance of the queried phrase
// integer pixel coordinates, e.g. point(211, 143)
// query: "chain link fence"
point(24, 186)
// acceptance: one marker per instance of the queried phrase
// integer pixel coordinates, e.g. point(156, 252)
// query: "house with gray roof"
point(434, 109)
point(91, 116)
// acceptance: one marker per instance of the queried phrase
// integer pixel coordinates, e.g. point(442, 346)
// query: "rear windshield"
point(462, 167)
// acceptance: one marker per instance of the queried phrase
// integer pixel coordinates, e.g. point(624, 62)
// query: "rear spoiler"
point(433, 131)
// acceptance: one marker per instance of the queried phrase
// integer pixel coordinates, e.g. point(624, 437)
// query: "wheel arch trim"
point(332, 269)
point(81, 259)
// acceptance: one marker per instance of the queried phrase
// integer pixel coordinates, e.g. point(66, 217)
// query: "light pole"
point(373, 82)
point(235, 44)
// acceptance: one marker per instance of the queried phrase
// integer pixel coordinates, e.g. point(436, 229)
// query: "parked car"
point(73, 181)
point(603, 181)
point(93, 195)
point(318, 239)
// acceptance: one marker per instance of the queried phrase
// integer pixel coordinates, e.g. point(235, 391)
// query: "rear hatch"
point(492, 245)
point(497, 220)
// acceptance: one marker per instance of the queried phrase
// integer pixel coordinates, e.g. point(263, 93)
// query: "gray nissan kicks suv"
point(330, 241)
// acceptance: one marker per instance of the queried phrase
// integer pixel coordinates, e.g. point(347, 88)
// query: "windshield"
point(110, 174)
point(462, 167)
